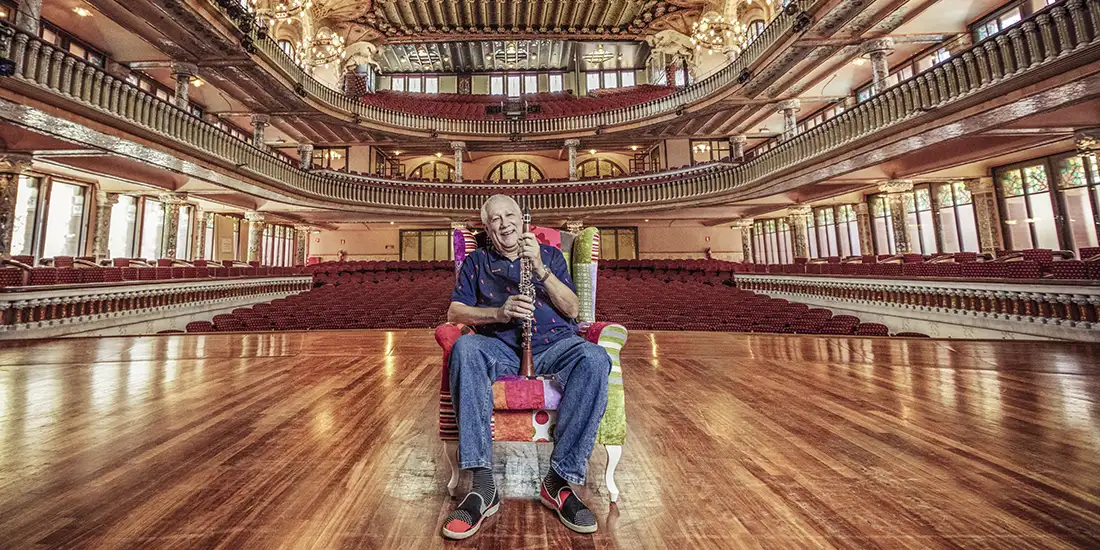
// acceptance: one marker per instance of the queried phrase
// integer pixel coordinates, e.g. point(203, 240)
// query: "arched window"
point(516, 170)
point(755, 28)
point(435, 171)
point(594, 168)
point(288, 47)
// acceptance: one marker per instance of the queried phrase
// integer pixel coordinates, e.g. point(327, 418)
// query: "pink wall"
point(362, 242)
point(688, 241)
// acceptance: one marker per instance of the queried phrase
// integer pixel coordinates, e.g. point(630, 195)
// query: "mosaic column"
point(104, 202)
point(301, 242)
point(878, 50)
point(863, 223)
point(745, 225)
point(305, 156)
point(737, 147)
point(985, 208)
point(459, 148)
point(895, 196)
point(571, 146)
point(259, 125)
point(27, 16)
point(172, 204)
point(11, 166)
point(183, 73)
point(255, 235)
point(198, 248)
point(788, 108)
point(798, 218)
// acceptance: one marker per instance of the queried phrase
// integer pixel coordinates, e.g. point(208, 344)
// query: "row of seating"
point(38, 276)
point(540, 105)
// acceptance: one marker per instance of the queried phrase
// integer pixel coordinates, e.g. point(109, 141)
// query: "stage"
point(328, 440)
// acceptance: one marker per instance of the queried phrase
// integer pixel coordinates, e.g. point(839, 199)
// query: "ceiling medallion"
point(714, 33)
point(598, 56)
point(511, 54)
point(283, 10)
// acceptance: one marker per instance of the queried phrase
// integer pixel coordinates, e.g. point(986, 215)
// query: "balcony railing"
point(354, 108)
point(1065, 29)
point(1045, 309)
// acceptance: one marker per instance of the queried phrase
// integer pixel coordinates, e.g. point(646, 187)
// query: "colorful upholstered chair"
point(526, 410)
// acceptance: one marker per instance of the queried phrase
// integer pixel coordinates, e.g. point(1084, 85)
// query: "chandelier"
point(282, 10)
point(598, 56)
point(714, 33)
point(511, 54)
point(326, 47)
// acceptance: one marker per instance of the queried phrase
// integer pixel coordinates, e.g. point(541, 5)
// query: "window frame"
point(532, 168)
point(616, 170)
point(609, 241)
point(418, 171)
point(444, 234)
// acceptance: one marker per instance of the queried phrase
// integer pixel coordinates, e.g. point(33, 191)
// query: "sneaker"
point(571, 511)
point(465, 520)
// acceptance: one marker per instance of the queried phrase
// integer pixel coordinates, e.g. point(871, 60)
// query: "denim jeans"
point(581, 369)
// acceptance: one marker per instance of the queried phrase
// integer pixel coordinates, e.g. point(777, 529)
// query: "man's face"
point(505, 224)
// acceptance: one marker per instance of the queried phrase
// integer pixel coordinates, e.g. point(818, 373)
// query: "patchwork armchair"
point(526, 410)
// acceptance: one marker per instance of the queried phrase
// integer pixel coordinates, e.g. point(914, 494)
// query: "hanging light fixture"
point(714, 33)
point(510, 54)
point(326, 47)
point(599, 56)
point(283, 10)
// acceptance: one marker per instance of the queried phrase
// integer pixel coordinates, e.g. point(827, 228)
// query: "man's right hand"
point(517, 306)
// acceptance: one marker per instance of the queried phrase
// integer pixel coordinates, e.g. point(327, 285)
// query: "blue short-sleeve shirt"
point(487, 279)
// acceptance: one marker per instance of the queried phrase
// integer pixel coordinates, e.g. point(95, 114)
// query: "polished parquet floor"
point(328, 440)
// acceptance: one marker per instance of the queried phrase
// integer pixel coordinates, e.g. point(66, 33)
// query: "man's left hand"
point(529, 248)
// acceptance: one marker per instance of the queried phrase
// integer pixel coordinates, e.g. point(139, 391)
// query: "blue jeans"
point(581, 369)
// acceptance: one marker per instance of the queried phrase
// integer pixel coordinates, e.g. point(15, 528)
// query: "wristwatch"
point(544, 275)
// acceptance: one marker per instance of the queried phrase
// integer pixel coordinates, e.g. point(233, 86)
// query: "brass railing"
point(268, 50)
point(1063, 29)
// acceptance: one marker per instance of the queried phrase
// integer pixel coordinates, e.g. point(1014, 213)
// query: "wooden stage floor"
point(328, 440)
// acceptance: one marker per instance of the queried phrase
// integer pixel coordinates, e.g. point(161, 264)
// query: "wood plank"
point(328, 439)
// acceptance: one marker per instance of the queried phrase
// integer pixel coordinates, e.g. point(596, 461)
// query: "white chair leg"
point(450, 448)
point(614, 452)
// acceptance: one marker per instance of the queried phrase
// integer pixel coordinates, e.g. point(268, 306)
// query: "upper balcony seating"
point(546, 105)
point(21, 274)
point(1032, 264)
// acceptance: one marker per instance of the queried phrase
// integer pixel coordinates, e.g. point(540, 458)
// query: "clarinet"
point(527, 288)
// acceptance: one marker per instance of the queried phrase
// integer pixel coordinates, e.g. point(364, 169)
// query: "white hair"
point(492, 199)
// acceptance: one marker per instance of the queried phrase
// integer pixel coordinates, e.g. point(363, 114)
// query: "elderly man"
point(486, 295)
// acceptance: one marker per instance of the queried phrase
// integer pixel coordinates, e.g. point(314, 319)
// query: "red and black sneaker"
point(468, 517)
point(571, 511)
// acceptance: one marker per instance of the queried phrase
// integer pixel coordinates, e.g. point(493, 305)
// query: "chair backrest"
point(581, 251)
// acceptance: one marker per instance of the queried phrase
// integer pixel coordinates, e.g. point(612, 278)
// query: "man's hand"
point(529, 248)
point(517, 306)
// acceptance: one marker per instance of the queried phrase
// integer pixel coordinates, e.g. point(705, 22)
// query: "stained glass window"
point(910, 204)
point(962, 193)
point(520, 170)
point(924, 199)
point(1036, 178)
point(1012, 184)
point(944, 198)
point(1071, 172)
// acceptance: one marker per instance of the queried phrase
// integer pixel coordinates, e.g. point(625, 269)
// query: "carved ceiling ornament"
point(1088, 141)
point(14, 163)
point(896, 186)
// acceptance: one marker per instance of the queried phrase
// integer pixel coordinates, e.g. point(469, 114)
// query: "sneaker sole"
point(583, 529)
point(466, 534)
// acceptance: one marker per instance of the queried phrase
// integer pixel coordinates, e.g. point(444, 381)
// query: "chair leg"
point(614, 452)
point(450, 448)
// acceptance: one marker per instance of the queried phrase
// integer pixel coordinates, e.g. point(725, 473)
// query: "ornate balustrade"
point(268, 50)
point(1063, 30)
point(24, 310)
point(1020, 307)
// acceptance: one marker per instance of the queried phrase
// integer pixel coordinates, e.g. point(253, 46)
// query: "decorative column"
point(798, 218)
point(459, 148)
point(863, 223)
point(737, 147)
point(305, 156)
point(788, 108)
point(301, 242)
point(571, 146)
point(574, 226)
point(878, 50)
point(27, 15)
point(895, 196)
point(104, 202)
point(745, 225)
point(255, 235)
point(259, 124)
point(172, 203)
point(183, 73)
point(985, 208)
point(11, 166)
point(198, 239)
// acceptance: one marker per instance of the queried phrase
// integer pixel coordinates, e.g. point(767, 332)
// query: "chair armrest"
point(446, 335)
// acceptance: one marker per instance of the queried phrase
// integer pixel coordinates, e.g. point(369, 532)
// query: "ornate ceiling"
point(404, 21)
point(488, 55)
